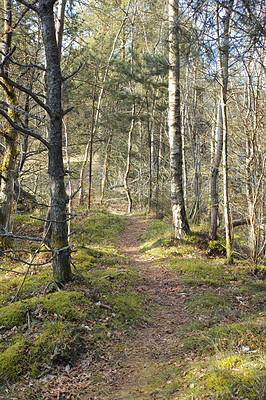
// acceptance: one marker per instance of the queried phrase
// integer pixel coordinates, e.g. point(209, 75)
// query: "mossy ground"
point(44, 327)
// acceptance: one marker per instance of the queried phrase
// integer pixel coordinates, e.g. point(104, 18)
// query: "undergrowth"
point(43, 328)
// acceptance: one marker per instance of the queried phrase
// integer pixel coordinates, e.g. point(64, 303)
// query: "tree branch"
point(28, 65)
point(73, 74)
point(22, 15)
point(10, 235)
point(23, 130)
point(68, 110)
point(29, 5)
point(27, 91)
point(18, 110)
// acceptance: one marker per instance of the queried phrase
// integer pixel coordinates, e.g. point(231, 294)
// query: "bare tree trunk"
point(227, 214)
point(8, 168)
point(132, 126)
point(180, 221)
point(57, 191)
point(218, 145)
point(60, 24)
point(88, 151)
point(184, 160)
point(189, 117)
point(255, 167)
point(140, 187)
point(223, 53)
point(108, 146)
point(151, 127)
point(158, 175)
point(90, 165)
point(129, 147)
point(150, 168)
point(68, 183)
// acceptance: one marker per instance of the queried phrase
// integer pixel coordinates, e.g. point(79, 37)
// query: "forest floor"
point(199, 335)
point(127, 375)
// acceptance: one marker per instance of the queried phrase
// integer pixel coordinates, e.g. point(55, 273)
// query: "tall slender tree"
point(223, 54)
point(180, 221)
point(8, 167)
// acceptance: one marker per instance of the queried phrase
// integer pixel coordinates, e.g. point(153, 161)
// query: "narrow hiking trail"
point(127, 375)
point(125, 366)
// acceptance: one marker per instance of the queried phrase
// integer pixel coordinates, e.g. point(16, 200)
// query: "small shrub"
point(215, 248)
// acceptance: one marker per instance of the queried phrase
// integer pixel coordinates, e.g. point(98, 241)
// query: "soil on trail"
point(127, 374)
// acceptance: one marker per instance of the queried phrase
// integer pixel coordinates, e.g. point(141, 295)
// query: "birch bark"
point(218, 146)
point(180, 221)
point(223, 54)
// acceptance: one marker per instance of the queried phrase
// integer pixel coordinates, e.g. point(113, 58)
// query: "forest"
point(132, 199)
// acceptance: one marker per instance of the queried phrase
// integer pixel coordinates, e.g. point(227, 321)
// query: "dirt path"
point(127, 375)
point(127, 364)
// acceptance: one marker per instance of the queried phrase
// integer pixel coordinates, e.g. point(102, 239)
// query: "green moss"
point(64, 303)
point(54, 343)
point(248, 332)
point(87, 258)
point(11, 361)
point(128, 306)
point(191, 238)
point(260, 271)
point(59, 241)
point(98, 227)
point(208, 300)
point(25, 220)
point(158, 235)
point(13, 315)
point(234, 378)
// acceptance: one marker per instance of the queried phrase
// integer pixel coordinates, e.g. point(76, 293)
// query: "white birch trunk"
point(223, 54)
point(180, 221)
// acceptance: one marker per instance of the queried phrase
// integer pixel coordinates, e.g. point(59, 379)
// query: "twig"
point(29, 65)
point(11, 235)
point(68, 110)
point(113, 276)
point(6, 58)
point(56, 285)
point(30, 265)
point(27, 91)
point(11, 270)
point(50, 220)
point(79, 273)
point(29, 5)
point(28, 317)
point(73, 74)
point(20, 111)
point(4, 252)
